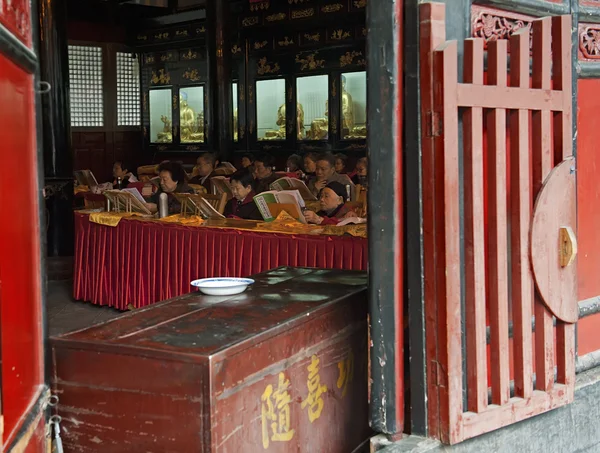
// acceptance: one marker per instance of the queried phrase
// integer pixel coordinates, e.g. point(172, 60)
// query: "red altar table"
point(141, 262)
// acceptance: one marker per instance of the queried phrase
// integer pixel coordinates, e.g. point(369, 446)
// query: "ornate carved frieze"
point(266, 67)
point(589, 41)
point(309, 62)
point(493, 24)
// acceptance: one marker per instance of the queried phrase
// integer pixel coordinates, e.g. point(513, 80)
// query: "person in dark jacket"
point(263, 168)
point(242, 204)
point(204, 170)
point(172, 180)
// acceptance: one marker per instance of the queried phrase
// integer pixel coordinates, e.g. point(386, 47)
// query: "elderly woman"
point(242, 205)
point(172, 180)
point(332, 199)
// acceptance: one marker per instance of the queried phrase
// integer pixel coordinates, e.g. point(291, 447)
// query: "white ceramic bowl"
point(222, 286)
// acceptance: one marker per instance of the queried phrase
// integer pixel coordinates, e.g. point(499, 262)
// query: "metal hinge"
point(434, 125)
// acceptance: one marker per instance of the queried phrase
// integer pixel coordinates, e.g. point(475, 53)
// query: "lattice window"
point(87, 93)
point(128, 90)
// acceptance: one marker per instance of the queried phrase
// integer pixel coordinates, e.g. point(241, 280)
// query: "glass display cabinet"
point(234, 97)
point(313, 112)
point(270, 109)
point(353, 106)
point(161, 116)
point(191, 114)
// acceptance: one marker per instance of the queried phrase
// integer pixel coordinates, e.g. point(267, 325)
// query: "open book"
point(136, 193)
point(195, 204)
point(86, 178)
point(127, 201)
point(271, 203)
point(293, 184)
point(220, 185)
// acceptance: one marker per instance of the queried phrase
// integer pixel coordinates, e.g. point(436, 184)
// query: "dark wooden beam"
point(219, 57)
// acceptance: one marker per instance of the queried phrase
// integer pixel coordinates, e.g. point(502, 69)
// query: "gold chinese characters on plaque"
point(276, 413)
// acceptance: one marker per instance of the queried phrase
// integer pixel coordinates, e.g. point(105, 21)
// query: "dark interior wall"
point(102, 24)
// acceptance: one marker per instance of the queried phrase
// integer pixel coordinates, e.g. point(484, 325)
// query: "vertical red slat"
point(563, 148)
point(432, 32)
point(497, 230)
point(520, 173)
point(561, 80)
point(447, 223)
point(542, 164)
point(475, 329)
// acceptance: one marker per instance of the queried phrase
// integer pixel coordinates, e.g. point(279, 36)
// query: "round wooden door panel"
point(553, 245)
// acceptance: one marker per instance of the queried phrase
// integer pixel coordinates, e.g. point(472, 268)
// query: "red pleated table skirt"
point(140, 262)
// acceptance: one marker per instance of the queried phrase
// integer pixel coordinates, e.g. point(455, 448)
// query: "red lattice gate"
point(517, 212)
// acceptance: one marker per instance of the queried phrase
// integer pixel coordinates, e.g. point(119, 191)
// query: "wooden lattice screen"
point(516, 210)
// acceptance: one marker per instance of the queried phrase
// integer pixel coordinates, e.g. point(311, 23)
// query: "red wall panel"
point(588, 187)
point(20, 291)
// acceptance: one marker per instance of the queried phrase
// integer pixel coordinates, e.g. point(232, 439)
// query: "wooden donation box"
point(279, 368)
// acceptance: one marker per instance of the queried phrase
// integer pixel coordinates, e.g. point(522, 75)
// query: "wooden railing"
point(516, 149)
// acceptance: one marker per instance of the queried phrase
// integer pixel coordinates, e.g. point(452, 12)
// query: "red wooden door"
point(23, 390)
point(518, 215)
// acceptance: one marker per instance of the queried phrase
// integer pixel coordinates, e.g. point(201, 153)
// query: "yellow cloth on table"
point(184, 220)
point(79, 189)
point(285, 223)
point(359, 230)
point(110, 219)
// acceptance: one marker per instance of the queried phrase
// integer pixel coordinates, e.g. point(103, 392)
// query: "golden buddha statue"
point(319, 127)
point(166, 136)
point(281, 133)
point(235, 125)
point(347, 111)
point(191, 126)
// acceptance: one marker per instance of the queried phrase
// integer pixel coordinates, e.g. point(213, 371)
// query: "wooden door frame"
point(381, 36)
point(29, 62)
point(386, 213)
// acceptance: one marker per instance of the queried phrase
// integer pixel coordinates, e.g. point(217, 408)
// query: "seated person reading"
point(340, 163)
point(242, 205)
point(293, 164)
point(263, 168)
point(172, 180)
point(247, 160)
point(332, 199)
point(203, 171)
point(325, 173)
point(310, 164)
point(360, 173)
point(120, 171)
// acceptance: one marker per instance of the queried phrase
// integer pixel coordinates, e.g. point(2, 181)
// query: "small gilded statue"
point(235, 125)
point(281, 133)
point(347, 111)
point(319, 127)
point(191, 126)
point(166, 136)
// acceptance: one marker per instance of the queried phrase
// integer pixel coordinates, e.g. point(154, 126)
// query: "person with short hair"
point(204, 169)
point(340, 163)
point(242, 205)
point(294, 164)
point(360, 173)
point(332, 200)
point(263, 169)
point(247, 160)
point(120, 170)
point(310, 164)
point(325, 173)
point(172, 180)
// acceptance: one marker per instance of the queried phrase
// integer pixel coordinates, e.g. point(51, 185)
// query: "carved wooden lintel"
point(493, 24)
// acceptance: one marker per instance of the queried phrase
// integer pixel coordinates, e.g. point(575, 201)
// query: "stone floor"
point(65, 314)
